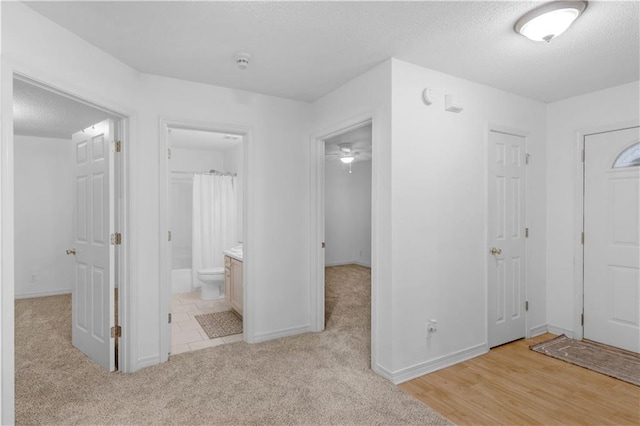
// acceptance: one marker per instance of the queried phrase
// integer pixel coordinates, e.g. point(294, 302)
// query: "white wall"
point(347, 206)
point(594, 111)
point(429, 240)
point(43, 216)
point(196, 160)
point(277, 153)
point(439, 217)
point(234, 163)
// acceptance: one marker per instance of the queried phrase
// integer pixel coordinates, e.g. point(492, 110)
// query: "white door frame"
point(126, 256)
point(165, 249)
point(316, 190)
point(523, 134)
point(578, 208)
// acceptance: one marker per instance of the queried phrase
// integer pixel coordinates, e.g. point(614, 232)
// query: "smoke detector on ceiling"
point(242, 60)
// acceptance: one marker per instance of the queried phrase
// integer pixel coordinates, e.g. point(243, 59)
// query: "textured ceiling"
point(39, 112)
point(303, 50)
point(202, 140)
point(359, 140)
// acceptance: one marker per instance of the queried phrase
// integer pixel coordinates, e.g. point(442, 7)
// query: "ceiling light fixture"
point(347, 159)
point(548, 21)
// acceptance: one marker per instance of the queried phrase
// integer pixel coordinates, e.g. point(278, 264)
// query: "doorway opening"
point(347, 208)
point(69, 213)
point(319, 142)
point(203, 189)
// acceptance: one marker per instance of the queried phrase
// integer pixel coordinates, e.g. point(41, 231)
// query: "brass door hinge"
point(526, 232)
point(527, 158)
point(324, 244)
point(169, 154)
point(526, 305)
point(169, 317)
point(169, 236)
point(116, 331)
point(581, 319)
point(116, 239)
point(117, 146)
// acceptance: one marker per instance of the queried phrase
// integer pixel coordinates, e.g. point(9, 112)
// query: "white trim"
point(316, 191)
point(492, 127)
point(44, 293)
point(284, 332)
point(148, 361)
point(578, 208)
point(559, 330)
point(538, 330)
point(436, 364)
point(164, 124)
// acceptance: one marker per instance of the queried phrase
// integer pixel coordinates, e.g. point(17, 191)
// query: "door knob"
point(495, 251)
point(71, 251)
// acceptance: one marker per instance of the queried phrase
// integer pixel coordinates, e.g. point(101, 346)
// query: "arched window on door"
point(630, 157)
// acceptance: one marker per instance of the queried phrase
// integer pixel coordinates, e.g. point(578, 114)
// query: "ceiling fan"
point(346, 153)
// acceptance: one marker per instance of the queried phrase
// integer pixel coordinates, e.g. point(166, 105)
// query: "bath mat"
point(614, 362)
point(220, 324)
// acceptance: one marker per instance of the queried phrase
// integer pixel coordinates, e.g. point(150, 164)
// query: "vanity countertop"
point(234, 254)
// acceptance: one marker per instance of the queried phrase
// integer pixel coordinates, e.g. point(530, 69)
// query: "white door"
point(506, 253)
point(612, 238)
point(93, 290)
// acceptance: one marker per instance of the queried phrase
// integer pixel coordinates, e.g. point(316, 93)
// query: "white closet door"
point(506, 236)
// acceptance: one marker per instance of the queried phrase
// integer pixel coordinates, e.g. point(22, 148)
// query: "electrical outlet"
point(432, 327)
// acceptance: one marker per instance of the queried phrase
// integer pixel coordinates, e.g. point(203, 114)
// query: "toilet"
point(212, 280)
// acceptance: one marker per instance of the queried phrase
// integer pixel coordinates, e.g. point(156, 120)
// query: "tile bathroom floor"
point(186, 333)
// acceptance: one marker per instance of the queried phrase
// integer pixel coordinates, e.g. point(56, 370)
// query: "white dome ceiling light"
point(548, 21)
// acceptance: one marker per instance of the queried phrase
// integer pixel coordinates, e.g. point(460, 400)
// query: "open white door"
point(612, 238)
point(92, 304)
point(506, 253)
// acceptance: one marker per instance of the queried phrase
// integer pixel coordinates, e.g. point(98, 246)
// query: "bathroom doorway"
point(204, 218)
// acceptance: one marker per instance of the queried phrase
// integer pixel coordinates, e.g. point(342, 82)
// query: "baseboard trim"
point(427, 367)
point(559, 330)
point(42, 294)
point(538, 330)
point(285, 332)
point(147, 362)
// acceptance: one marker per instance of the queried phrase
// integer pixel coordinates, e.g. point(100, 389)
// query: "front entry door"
point(506, 254)
point(93, 290)
point(612, 238)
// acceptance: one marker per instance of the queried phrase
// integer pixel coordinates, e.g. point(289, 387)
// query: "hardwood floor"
point(512, 385)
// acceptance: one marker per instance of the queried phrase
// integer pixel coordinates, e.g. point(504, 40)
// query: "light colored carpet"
point(220, 324)
point(316, 378)
point(614, 362)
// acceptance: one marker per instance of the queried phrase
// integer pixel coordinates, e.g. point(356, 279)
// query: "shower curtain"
point(214, 221)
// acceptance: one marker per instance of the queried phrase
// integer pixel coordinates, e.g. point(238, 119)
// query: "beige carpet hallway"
point(316, 378)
